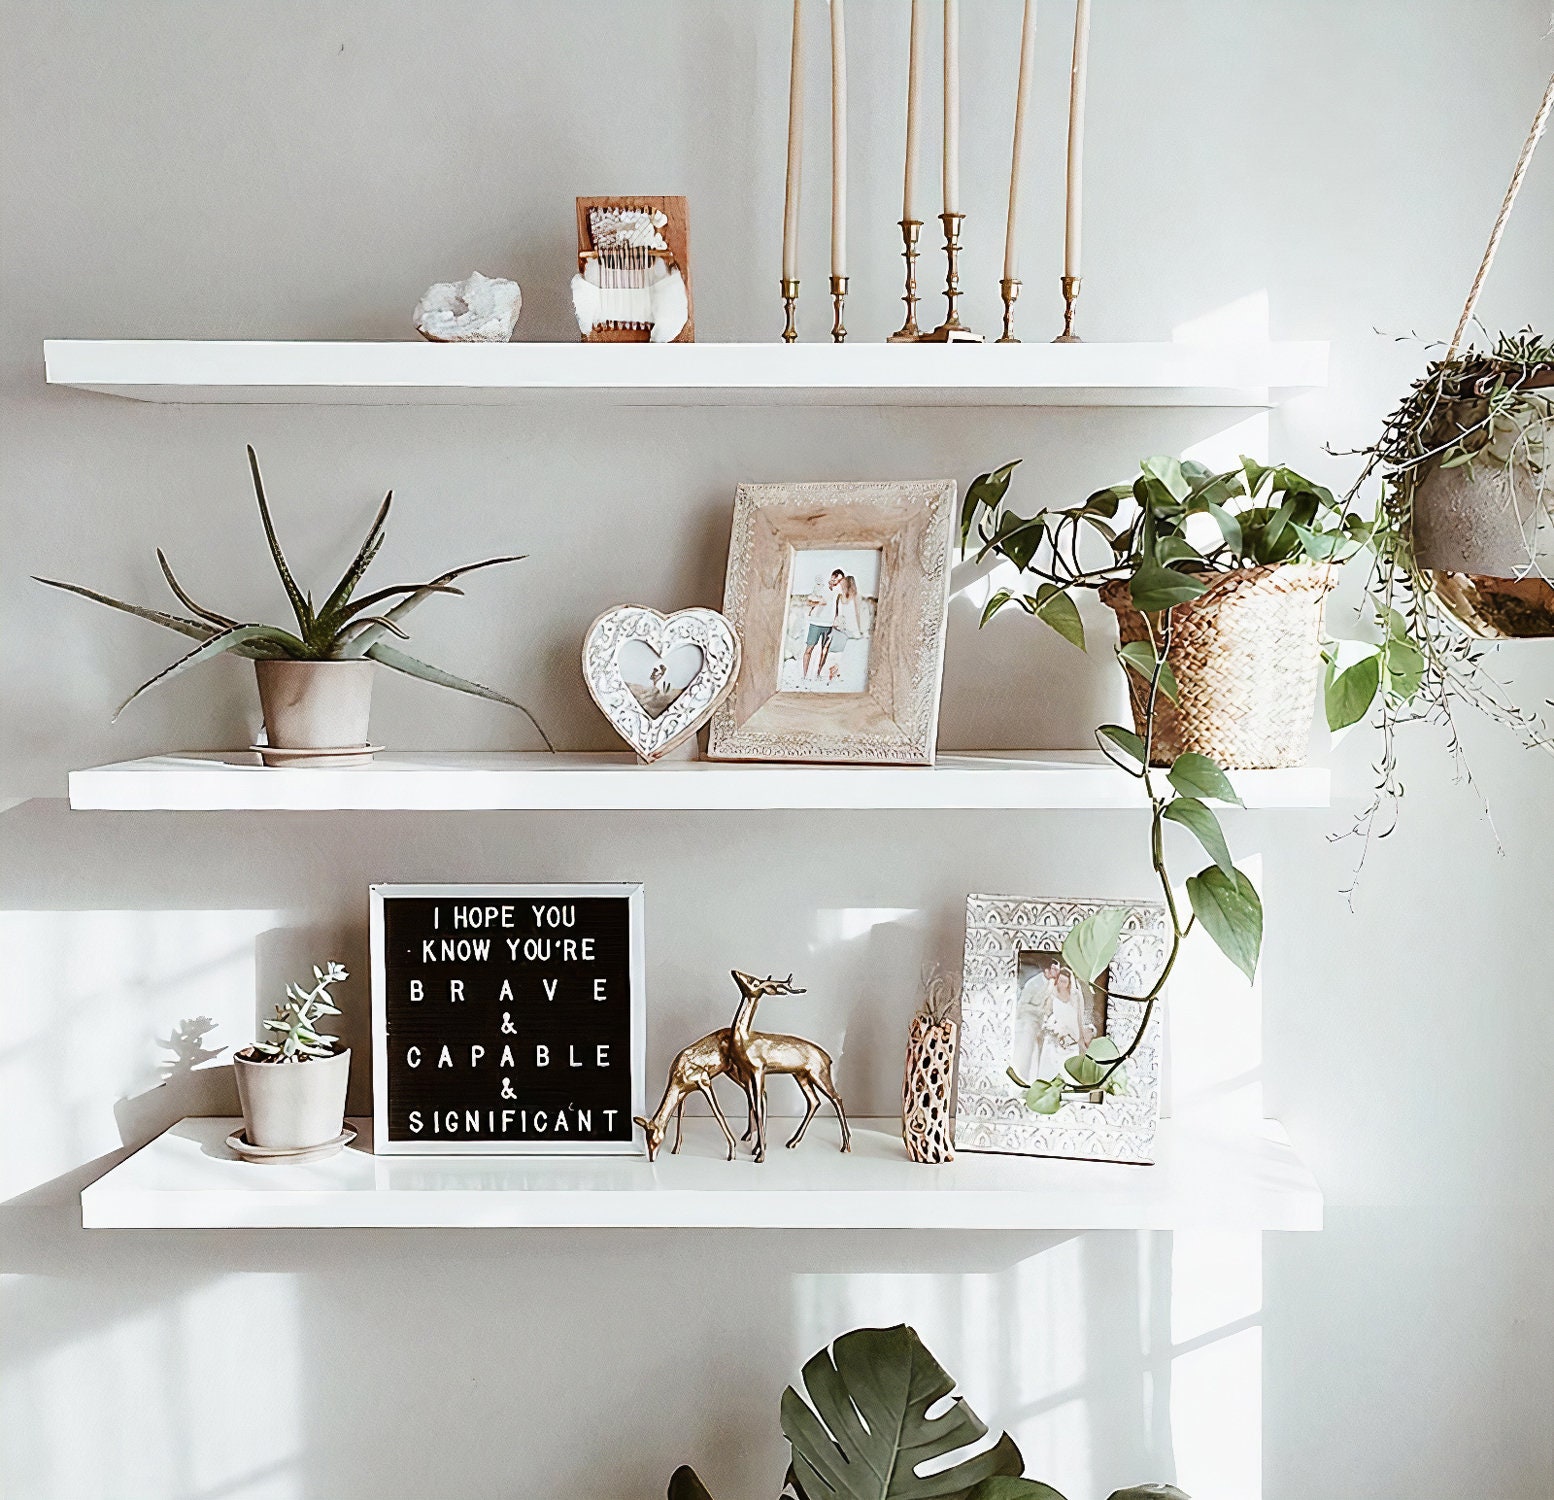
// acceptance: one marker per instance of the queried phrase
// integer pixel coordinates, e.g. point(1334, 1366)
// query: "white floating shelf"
point(530, 781)
point(772, 374)
point(1202, 1179)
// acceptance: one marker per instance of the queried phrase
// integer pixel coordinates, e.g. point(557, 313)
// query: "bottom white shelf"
point(1203, 1178)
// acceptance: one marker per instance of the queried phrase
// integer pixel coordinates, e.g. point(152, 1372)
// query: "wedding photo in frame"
point(839, 593)
point(1023, 1009)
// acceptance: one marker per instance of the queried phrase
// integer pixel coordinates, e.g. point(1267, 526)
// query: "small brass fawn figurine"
point(692, 1072)
point(754, 1055)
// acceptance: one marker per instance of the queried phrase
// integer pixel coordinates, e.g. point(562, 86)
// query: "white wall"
point(304, 170)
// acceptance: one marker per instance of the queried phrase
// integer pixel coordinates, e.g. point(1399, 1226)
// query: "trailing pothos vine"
point(1168, 532)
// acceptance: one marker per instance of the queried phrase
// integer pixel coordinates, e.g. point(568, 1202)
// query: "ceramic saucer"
point(238, 1141)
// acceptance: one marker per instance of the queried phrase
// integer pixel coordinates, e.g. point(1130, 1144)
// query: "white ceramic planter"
point(315, 705)
point(292, 1106)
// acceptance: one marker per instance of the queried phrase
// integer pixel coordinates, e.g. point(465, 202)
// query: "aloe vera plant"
point(344, 628)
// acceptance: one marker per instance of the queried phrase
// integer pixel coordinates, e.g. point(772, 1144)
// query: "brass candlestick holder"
point(790, 299)
point(838, 297)
point(1070, 297)
point(1009, 286)
point(952, 330)
point(909, 332)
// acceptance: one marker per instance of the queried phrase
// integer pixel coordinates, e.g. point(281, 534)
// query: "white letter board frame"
point(636, 910)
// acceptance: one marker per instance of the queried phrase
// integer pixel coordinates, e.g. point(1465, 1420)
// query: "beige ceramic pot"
point(294, 1105)
point(315, 705)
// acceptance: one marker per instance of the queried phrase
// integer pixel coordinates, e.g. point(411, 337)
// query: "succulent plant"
point(343, 628)
point(295, 1023)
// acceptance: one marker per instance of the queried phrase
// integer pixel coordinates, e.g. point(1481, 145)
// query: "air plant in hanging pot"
point(315, 681)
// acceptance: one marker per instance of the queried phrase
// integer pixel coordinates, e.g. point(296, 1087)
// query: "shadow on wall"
point(1110, 1358)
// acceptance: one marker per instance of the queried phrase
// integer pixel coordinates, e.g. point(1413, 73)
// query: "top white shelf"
point(236, 372)
point(530, 781)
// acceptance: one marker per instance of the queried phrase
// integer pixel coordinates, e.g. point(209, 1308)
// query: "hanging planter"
point(1475, 518)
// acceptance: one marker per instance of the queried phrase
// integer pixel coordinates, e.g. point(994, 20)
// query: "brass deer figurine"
point(753, 1055)
point(691, 1072)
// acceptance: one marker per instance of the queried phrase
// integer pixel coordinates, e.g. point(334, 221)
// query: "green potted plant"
point(866, 1431)
point(1217, 581)
point(315, 682)
point(292, 1087)
point(1220, 575)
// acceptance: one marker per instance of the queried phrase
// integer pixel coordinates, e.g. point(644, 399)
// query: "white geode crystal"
point(483, 309)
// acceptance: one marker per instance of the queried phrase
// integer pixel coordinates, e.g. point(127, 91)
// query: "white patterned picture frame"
point(894, 721)
point(707, 630)
point(990, 1114)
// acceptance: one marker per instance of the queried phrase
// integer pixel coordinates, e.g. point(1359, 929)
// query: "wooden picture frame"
point(1005, 935)
point(846, 671)
point(445, 1016)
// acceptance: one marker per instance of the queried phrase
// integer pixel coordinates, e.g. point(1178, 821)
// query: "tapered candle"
point(838, 139)
point(952, 106)
point(790, 203)
point(1022, 99)
point(914, 106)
point(1076, 139)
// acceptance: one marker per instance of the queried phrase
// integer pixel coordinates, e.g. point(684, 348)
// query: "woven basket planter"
point(1247, 655)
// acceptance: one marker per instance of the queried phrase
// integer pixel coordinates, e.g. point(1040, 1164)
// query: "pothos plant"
point(1166, 534)
point(1473, 410)
point(344, 627)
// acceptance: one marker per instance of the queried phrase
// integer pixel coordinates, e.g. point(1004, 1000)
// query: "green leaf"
point(362, 642)
point(1231, 913)
point(685, 1484)
point(1045, 1097)
point(1405, 668)
point(398, 661)
point(364, 557)
point(1085, 1071)
point(1056, 609)
point(1255, 473)
point(1103, 1050)
point(1169, 473)
point(1124, 739)
point(993, 605)
point(299, 605)
point(1010, 1487)
point(227, 640)
point(1017, 538)
point(1105, 502)
point(1351, 692)
point(1139, 656)
point(1195, 775)
point(985, 490)
point(197, 630)
point(1154, 588)
point(221, 622)
point(1175, 549)
point(1198, 818)
point(865, 1430)
point(1229, 527)
point(1092, 944)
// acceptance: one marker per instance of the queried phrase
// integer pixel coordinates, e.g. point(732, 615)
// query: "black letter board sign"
point(507, 1019)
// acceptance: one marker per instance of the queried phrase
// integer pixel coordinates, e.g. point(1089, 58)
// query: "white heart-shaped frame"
point(705, 629)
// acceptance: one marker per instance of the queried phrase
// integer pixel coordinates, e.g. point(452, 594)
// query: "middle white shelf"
point(451, 781)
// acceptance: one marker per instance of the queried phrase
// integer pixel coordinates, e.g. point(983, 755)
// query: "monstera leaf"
point(866, 1432)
